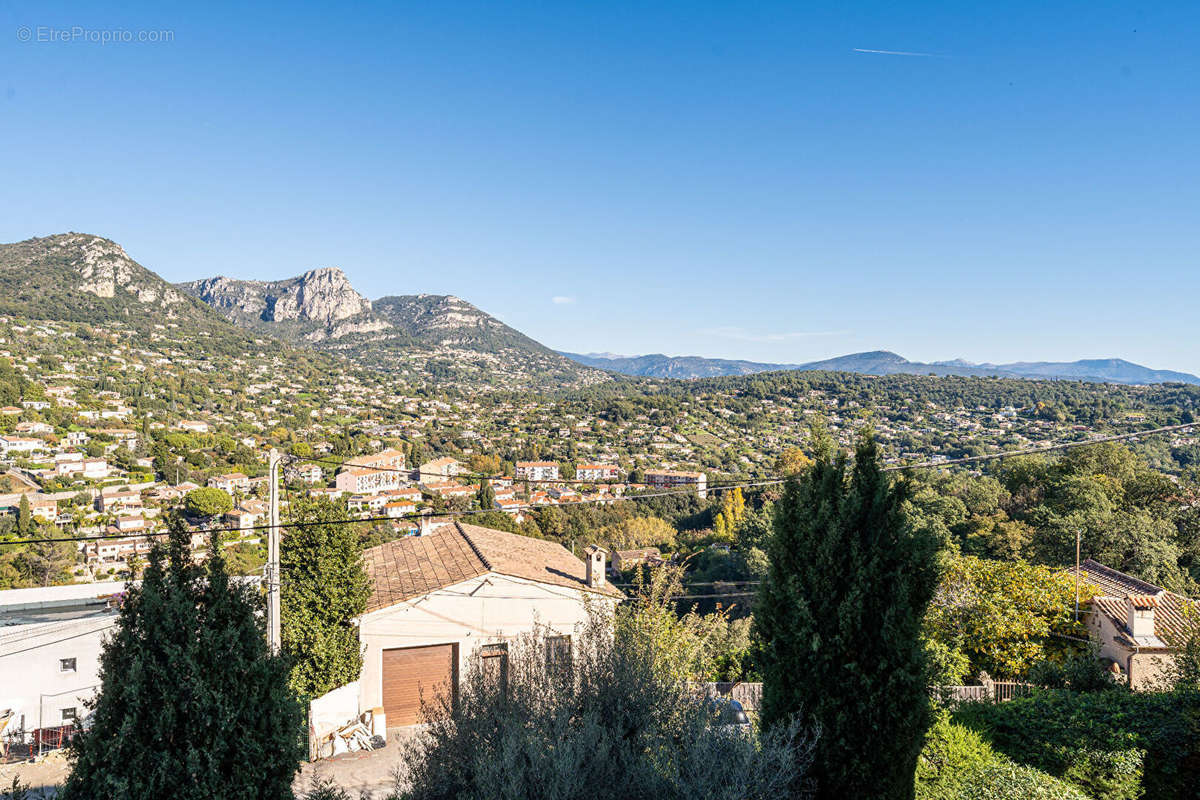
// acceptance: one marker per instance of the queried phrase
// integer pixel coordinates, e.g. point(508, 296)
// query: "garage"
point(410, 671)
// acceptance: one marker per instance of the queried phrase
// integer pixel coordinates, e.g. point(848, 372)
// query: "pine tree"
point(839, 620)
point(323, 589)
point(191, 704)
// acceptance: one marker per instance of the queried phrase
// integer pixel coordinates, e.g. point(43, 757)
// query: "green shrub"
point(1083, 673)
point(1005, 780)
point(606, 722)
point(958, 764)
point(952, 752)
point(1114, 745)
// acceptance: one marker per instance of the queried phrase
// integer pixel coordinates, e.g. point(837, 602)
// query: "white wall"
point(32, 682)
point(488, 609)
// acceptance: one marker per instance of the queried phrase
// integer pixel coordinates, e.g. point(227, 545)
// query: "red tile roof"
point(417, 565)
point(1173, 613)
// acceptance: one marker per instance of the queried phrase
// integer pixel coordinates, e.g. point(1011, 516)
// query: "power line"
point(416, 515)
point(1043, 448)
point(770, 481)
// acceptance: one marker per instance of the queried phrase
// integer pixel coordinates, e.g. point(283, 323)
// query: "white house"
point(50, 641)
point(230, 482)
point(76, 438)
point(438, 598)
point(19, 444)
point(305, 473)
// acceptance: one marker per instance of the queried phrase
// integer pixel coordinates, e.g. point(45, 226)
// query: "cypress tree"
point(191, 704)
point(486, 495)
point(839, 619)
point(324, 588)
point(24, 517)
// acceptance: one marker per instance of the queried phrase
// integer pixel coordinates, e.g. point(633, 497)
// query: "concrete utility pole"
point(271, 573)
point(1077, 575)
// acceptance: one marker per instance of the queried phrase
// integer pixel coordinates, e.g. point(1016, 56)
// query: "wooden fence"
point(748, 694)
point(990, 691)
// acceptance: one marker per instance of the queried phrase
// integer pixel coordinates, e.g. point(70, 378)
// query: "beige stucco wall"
point(1143, 670)
point(484, 610)
point(1151, 670)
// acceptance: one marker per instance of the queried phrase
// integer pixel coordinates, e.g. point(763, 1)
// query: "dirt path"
point(366, 775)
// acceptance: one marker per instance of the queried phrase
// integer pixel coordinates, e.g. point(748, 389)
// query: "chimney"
point(595, 565)
point(1141, 614)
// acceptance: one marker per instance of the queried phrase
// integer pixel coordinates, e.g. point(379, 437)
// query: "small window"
point(494, 663)
point(68, 714)
point(66, 665)
point(558, 651)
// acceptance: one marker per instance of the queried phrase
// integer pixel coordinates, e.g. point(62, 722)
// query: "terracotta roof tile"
point(1173, 613)
point(1114, 583)
point(417, 565)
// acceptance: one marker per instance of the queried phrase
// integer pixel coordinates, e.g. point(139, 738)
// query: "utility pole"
point(1077, 573)
point(271, 573)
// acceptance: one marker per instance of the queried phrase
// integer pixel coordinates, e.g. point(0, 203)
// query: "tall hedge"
point(323, 589)
point(1113, 744)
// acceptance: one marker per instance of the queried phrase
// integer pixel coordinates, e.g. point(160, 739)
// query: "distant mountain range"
point(883, 362)
point(436, 339)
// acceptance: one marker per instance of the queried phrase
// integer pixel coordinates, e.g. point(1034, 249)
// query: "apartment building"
point(537, 471)
point(597, 472)
point(673, 479)
point(366, 480)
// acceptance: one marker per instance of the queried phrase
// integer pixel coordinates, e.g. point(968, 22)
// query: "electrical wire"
point(417, 515)
point(1043, 448)
point(469, 476)
point(770, 481)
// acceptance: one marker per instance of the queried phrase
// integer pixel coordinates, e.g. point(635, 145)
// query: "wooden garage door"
point(409, 673)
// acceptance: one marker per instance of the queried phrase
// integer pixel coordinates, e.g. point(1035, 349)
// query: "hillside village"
point(102, 443)
point(508, 490)
point(573, 401)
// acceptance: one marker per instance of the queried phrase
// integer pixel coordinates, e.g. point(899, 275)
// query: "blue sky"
point(723, 179)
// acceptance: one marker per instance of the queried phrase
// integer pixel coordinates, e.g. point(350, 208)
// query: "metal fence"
point(22, 745)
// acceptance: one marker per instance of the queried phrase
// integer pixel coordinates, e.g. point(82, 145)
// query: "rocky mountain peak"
point(321, 295)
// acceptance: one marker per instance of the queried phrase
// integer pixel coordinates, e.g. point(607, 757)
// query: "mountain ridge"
point(885, 362)
point(442, 336)
point(87, 278)
point(81, 277)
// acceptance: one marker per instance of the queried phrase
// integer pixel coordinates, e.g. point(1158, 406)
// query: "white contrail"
point(898, 53)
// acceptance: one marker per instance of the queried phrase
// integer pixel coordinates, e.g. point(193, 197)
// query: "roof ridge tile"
point(479, 553)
